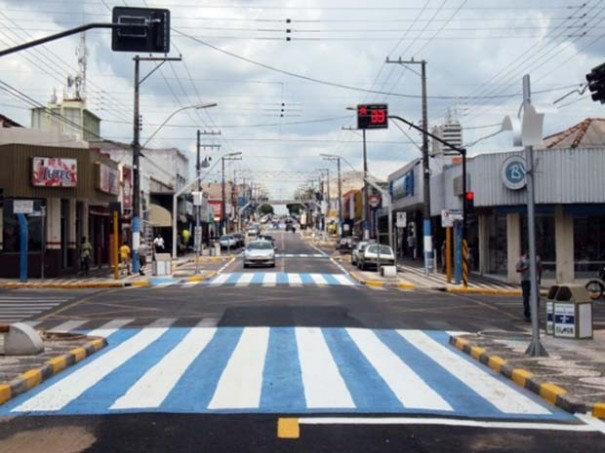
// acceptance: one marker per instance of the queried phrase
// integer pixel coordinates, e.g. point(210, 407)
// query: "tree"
point(265, 209)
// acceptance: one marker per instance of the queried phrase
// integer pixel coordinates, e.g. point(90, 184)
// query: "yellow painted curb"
point(288, 428)
point(32, 378)
point(5, 393)
point(57, 364)
point(197, 278)
point(550, 392)
point(98, 343)
point(375, 283)
point(406, 286)
point(460, 343)
point(140, 284)
point(476, 352)
point(78, 353)
point(520, 376)
point(496, 363)
point(598, 410)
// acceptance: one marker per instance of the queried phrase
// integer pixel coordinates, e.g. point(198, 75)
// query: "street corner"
point(206, 275)
point(461, 289)
point(61, 350)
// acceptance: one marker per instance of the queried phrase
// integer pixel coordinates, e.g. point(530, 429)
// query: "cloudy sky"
point(284, 72)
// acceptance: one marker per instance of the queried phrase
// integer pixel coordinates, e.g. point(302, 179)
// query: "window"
point(12, 232)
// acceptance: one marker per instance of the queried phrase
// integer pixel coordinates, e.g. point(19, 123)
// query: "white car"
point(357, 251)
point(227, 241)
point(259, 253)
point(376, 255)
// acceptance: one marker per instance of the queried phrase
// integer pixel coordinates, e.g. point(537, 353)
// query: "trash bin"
point(572, 312)
point(162, 264)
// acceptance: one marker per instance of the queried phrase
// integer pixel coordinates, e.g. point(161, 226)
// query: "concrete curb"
point(381, 284)
point(31, 378)
point(200, 278)
point(548, 391)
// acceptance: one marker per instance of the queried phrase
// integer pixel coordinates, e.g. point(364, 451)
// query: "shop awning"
point(159, 216)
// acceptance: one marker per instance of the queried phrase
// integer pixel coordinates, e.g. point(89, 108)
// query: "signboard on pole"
point(448, 216)
point(401, 220)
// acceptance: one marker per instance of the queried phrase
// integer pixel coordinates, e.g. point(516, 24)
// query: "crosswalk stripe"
point(155, 385)
point(407, 386)
point(241, 382)
point(499, 394)
point(220, 279)
point(294, 279)
point(343, 280)
point(57, 396)
point(323, 384)
point(318, 279)
point(244, 280)
point(68, 326)
point(270, 279)
point(110, 328)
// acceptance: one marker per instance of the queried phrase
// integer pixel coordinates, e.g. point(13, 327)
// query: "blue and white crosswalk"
point(280, 370)
point(280, 278)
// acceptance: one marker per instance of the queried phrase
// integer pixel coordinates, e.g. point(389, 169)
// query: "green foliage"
point(265, 209)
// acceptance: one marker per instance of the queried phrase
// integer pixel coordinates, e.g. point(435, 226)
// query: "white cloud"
point(473, 48)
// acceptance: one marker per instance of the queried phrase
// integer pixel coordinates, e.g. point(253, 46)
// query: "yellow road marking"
point(288, 428)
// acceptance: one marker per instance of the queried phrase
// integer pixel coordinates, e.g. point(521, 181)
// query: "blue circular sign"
point(513, 173)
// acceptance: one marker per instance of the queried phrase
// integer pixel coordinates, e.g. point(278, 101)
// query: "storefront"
point(52, 197)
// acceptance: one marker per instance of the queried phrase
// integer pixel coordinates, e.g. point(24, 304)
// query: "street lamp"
point(230, 156)
point(136, 183)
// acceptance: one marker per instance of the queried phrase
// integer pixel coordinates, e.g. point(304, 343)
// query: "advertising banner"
point(54, 172)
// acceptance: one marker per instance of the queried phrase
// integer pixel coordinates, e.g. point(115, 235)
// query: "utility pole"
point(199, 179)
point(229, 156)
point(426, 175)
point(136, 152)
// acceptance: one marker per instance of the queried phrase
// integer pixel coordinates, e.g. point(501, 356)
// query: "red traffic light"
point(469, 196)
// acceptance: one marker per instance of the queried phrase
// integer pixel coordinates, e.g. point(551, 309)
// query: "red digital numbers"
point(372, 116)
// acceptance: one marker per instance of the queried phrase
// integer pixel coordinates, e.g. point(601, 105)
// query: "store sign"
point(403, 186)
point(512, 173)
point(108, 179)
point(54, 172)
point(127, 187)
point(565, 320)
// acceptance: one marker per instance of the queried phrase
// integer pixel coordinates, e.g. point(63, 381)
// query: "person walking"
point(522, 267)
point(85, 252)
point(125, 257)
point(142, 257)
point(158, 244)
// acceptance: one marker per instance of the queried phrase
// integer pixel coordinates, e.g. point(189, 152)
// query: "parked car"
point(254, 230)
point(376, 255)
point(227, 241)
point(239, 237)
point(357, 251)
point(347, 244)
point(259, 253)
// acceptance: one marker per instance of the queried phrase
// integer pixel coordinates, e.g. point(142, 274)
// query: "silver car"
point(259, 253)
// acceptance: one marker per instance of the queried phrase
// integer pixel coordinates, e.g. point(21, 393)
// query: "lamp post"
point(136, 191)
point(230, 156)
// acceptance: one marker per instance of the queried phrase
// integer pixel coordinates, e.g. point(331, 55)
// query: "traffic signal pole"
point(461, 152)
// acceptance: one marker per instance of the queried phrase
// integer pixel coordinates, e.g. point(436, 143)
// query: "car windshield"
point(381, 249)
point(260, 245)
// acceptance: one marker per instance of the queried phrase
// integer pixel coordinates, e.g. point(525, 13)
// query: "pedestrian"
point(412, 246)
point(125, 257)
point(85, 252)
point(158, 244)
point(142, 257)
point(522, 267)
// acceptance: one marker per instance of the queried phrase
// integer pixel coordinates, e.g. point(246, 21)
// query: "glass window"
point(12, 232)
point(589, 245)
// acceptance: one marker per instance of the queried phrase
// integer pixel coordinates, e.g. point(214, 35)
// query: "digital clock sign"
point(372, 116)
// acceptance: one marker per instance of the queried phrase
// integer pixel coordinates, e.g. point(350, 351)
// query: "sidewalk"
point(104, 277)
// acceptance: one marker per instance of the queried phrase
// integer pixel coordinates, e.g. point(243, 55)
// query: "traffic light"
point(596, 83)
point(141, 30)
point(469, 202)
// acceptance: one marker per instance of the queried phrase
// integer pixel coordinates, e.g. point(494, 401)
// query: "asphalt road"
point(285, 313)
